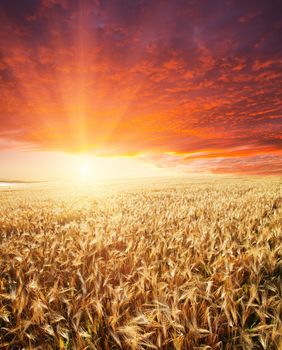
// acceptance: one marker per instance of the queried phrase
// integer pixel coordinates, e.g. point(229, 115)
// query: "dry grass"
point(171, 265)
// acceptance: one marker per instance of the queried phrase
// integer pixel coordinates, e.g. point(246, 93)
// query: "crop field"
point(156, 264)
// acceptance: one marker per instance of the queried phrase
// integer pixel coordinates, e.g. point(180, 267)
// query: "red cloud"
point(133, 77)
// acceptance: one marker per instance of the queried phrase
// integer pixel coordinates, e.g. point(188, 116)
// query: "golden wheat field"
point(155, 264)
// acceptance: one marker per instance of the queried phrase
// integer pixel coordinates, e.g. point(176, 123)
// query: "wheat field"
point(155, 264)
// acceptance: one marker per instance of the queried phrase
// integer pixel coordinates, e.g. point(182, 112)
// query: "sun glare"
point(90, 169)
point(85, 169)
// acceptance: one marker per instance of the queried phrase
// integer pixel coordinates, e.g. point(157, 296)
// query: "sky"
point(140, 87)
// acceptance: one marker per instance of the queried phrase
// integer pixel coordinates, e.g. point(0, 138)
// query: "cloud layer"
point(198, 79)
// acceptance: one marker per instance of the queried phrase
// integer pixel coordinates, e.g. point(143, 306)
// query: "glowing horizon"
point(77, 168)
point(176, 87)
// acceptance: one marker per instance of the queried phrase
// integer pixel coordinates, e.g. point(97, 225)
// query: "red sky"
point(184, 83)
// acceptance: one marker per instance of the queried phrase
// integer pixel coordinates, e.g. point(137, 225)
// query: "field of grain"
point(159, 264)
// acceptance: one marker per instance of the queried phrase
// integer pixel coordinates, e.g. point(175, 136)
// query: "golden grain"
point(181, 264)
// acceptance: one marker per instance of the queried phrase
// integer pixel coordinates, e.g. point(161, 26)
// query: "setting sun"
point(89, 168)
point(85, 169)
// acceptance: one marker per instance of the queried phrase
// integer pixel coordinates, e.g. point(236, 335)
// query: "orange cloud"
point(124, 77)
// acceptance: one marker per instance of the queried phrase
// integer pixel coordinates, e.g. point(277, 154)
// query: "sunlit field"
point(156, 264)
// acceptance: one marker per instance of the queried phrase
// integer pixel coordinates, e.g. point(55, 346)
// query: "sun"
point(85, 169)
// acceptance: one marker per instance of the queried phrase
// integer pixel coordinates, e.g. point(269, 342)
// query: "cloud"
point(137, 77)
